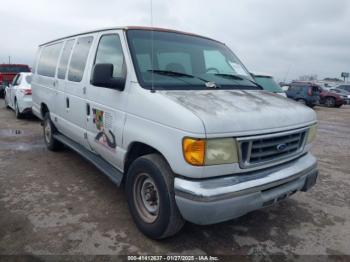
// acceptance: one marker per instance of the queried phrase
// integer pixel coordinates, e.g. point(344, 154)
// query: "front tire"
point(49, 130)
point(151, 197)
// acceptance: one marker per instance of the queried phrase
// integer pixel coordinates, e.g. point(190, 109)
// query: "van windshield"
point(171, 60)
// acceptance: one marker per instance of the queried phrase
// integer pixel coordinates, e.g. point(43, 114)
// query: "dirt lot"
point(57, 203)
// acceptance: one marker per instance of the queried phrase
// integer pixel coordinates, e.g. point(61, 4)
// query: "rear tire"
point(301, 101)
point(49, 130)
point(330, 102)
point(151, 197)
point(6, 104)
point(17, 112)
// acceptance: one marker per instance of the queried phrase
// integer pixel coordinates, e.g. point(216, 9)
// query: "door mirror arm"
point(102, 76)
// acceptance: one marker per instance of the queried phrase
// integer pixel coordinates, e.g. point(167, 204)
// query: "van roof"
point(125, 28)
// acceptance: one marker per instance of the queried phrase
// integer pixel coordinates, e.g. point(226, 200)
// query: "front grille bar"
point(261, 150)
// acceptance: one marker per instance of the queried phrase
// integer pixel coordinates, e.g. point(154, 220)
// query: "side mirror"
point(102, 76)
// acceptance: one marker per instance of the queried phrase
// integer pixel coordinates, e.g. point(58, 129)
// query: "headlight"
point(200, 152)
point(311, 134)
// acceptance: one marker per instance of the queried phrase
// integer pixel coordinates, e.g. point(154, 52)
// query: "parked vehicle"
point(178, 120)
point(7, 74)
point(304, 93)
point(345, 95)
point(18, 95)
point(330, 99)
point(344, 87)
point(268, 83)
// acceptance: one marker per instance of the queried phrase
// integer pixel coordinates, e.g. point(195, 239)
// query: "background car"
point(268, 83)
point(344, 87)
point(330, 99)
point(305, 93)
point(18, 95)
point(345, 95)
point(7, 74)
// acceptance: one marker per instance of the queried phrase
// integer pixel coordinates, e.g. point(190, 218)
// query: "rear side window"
point(79, 58)
point(29, 79)
point(62, 67)
point(49, 59)
point(110, 52)
point(14, 81)
point(295, 88)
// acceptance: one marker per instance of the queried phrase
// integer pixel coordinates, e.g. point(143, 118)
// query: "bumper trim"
point(217, 200)
point(227, 187)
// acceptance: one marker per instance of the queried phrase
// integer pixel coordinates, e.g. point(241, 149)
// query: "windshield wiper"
point(230, 76)
point(208, 84)
point(236, 77)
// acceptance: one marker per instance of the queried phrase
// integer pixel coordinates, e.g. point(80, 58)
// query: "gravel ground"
point(57, 203)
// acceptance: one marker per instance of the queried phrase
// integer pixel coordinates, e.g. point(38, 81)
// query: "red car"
point(8, 73)
point(327, 98)
point(330, 99)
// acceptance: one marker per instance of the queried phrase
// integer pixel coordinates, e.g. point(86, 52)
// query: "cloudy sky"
point(286, 38)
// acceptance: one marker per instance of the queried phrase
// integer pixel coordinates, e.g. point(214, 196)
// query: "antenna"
point(152, 46)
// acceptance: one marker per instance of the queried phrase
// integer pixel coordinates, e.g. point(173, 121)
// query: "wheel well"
point(44, 109)
point(136, 150)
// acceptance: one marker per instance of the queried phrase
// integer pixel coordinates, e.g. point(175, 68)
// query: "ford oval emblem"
point(281, 147)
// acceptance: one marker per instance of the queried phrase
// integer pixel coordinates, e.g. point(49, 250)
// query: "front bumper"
point(216, 200)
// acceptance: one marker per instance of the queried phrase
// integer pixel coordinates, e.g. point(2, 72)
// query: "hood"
point(243, 112)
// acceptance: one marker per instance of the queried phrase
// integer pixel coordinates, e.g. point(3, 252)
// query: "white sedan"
point(18, 95)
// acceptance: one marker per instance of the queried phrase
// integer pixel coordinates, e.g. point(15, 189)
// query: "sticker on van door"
point(103, 122)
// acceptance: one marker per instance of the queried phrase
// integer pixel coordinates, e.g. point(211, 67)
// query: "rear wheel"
point(18, 113)
point(151, 197)
point(6, 103)
point(301, 101)
point(330, 102)
point(49, 131)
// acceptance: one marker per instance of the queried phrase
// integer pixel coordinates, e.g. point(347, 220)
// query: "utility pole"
point(9, 59)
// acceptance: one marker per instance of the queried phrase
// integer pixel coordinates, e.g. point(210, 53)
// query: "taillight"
point(26, 91)
point(309, 92)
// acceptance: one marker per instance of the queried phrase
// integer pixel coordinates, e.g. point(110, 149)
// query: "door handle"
point(88, 109)
point(67, 102)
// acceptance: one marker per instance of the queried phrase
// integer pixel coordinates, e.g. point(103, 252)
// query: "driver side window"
point(110, 51)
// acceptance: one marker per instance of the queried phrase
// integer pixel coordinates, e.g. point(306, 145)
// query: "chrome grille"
point(260, 150)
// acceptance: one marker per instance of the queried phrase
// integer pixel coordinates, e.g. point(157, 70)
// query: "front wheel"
point(151, 197)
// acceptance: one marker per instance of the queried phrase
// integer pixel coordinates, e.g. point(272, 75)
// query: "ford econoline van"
point(176, 119)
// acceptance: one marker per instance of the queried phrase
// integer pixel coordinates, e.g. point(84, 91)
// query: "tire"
point(301, 101)
point(49, 130)
point(6, 104)
point(151, 197)
point(17, 112)
point(329, 102)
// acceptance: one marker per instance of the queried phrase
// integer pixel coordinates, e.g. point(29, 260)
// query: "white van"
point(177, 119)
